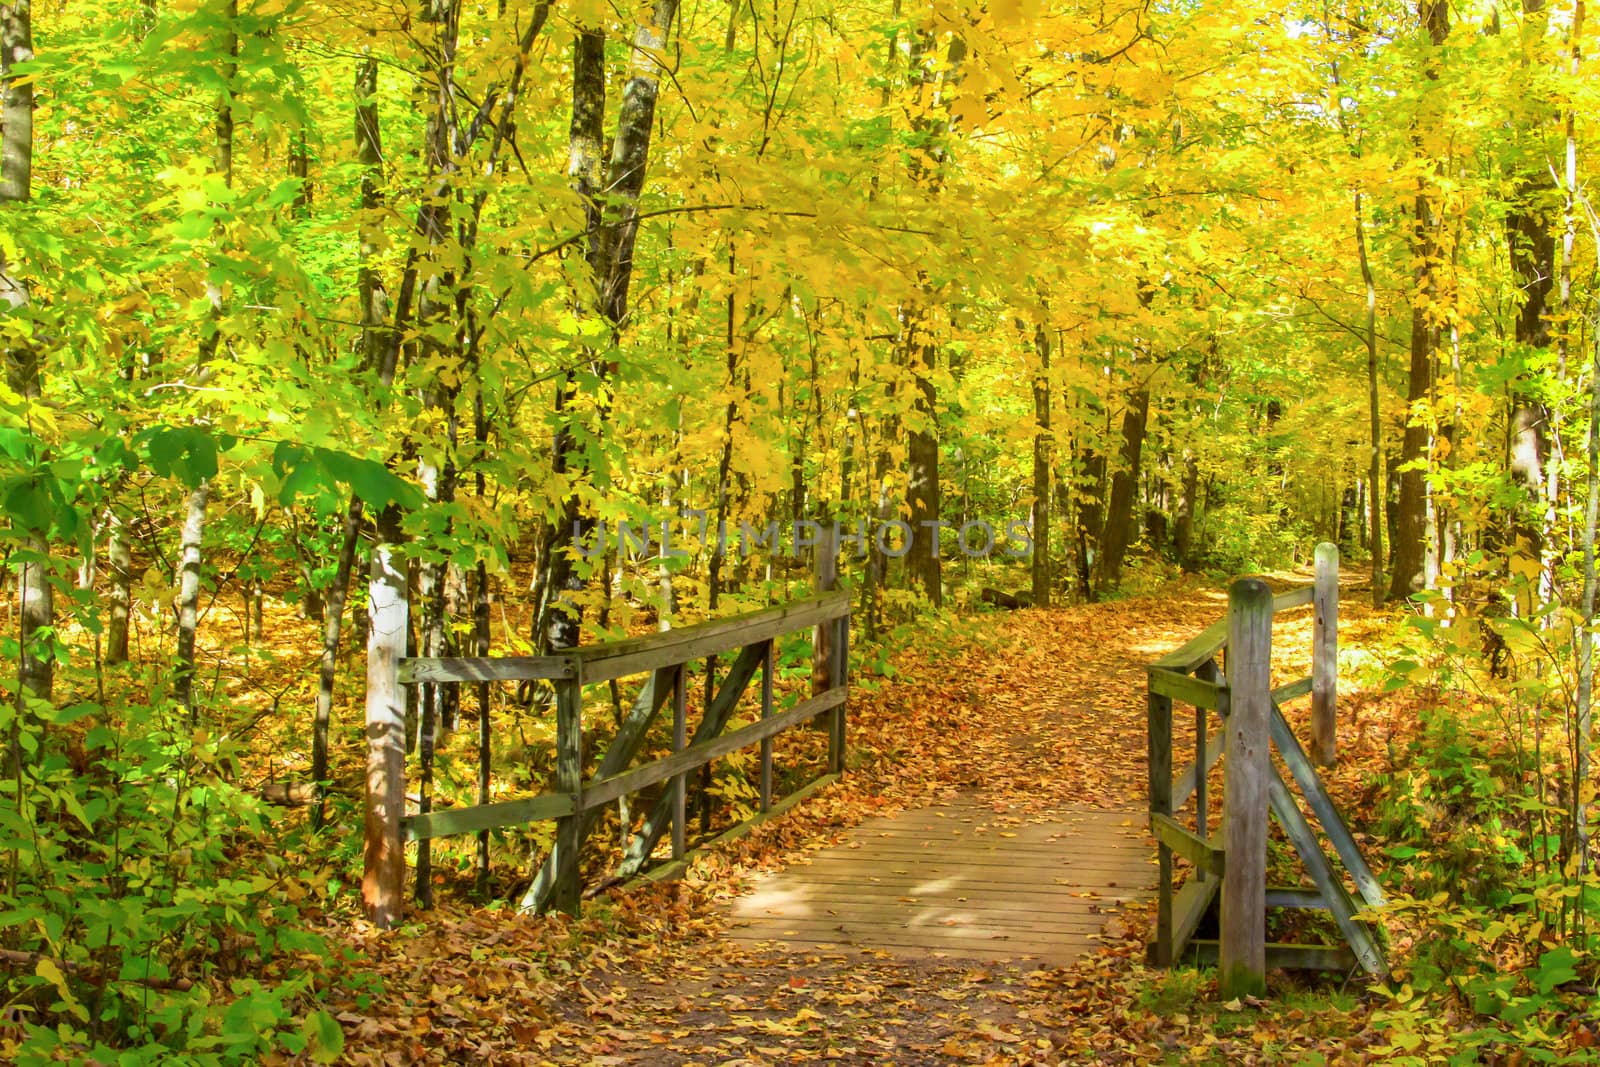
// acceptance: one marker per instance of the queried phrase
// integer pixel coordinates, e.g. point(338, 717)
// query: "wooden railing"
point(574, 802)
point(1239, 692)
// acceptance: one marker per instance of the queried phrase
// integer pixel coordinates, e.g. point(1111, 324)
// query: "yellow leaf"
point(51, 972)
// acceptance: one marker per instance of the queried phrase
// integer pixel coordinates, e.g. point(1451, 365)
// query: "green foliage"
point(1457, 788)
point(1499, 934)
point(121, 841)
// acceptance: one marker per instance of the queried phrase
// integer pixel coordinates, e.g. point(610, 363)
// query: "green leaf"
point(187, 453)
point(325, 1035)
point(1556, 967)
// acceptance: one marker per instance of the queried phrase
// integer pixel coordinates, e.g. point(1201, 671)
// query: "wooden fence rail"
point(1238, 691)
point(573, 802)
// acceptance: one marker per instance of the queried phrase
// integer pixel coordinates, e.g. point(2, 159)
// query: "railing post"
point(384, 857)
point(1325, 657)
point(680, 782)
point(1202, 756)
point(1243, 957)
point(569, 780)
point(831, 647)
point(768, 667)
point(827, 578)
point(839, 678)
point(1158, 734)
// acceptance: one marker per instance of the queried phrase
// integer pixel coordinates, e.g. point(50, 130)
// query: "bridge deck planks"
point(957, 880)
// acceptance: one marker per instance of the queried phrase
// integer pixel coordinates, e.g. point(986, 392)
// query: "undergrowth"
point(149, 912)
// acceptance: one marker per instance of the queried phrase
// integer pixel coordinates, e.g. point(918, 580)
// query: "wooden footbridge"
point(966, 878)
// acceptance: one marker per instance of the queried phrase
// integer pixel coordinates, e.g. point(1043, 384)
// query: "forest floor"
point(1028, 711)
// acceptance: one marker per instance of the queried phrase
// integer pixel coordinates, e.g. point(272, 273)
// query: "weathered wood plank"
point(1323, 807)
point(1019, 916)
point(488, 816)
point(880, 861)
point(712, 722)
point(674, 869)
point(624, 747)
point(418, 669)
point(1325, 657)
point(1287, 957)
point(768, 666)
point(1130, 859)
point(568, 891)
point(1003, 945)
point(1191, 905)
point(617, 659)
point(1043, 853)
point(1293, 897)
point(1196, 850)
point(1292, 691)
point(1246, 788)
point(1004, 838)
point(1294, 598)
point(635, 655)
point(951, 939)
point(1191, 654)
point(1043, 892)
point(680, 780)
point(604, 791)
point(878, 888)
point(1158, 739)
point(1052, 825)
point(1200, 693)
point(826, 559)
point(857, 903)
point(1356, 933)
point(1056, 957)
point(840, 677)
point(1206, 753)
point(1187, 784)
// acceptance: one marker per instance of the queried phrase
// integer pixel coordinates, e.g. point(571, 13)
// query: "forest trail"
point(1030, 721)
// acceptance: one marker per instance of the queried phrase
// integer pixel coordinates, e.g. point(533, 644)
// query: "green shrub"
point(143, 917)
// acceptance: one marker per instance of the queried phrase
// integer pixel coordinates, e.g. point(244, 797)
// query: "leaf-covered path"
point(1032, 715)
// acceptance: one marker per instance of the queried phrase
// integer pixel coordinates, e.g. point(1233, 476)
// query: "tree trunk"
point(389, 619)
point(613, 228)
point(438, 313)
point(883, 514)
point(922, 472)
point(332, 624)
point(194, 526)
point(557, 622)
point(932, 122)
point(300, 170)
point(16, 102)
point(1375, 495)
point(1089, 507)
point(119, 557)
point(1118, 529)
point(1410, 544)
point(725, 462)
point(1583, 724)
point(35, 596)
point(194, 517)
point(369, 154)
point(1532, 248)
point(1183, 538)
point(1042, 442)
